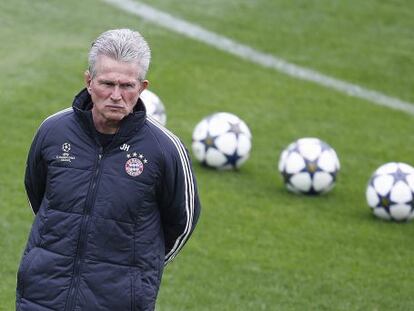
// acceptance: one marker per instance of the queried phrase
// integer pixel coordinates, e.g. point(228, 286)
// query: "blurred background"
point(257, 246)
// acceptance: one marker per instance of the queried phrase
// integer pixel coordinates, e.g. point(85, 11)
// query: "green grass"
point(367, 42)
point(257, 247)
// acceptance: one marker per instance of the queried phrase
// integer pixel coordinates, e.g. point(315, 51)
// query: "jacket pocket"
point(144, 293)
point(24, 267)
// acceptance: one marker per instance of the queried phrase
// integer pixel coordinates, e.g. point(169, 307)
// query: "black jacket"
point(107, 219)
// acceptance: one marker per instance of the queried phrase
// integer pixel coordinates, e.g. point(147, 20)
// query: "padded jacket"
point(107, 220)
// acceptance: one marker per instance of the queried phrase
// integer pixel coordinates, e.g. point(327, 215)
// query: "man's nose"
point(116, 93)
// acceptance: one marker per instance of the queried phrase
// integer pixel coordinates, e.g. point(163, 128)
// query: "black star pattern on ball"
point(235, 128)
point(399, 175)
point(209, 142)
point(384, 201)
point(311, 167)
point(231, 159)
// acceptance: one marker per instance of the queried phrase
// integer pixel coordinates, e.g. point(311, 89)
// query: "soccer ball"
point(309, 166)
point(390, 192)
point(154, 106)
point(222, 141)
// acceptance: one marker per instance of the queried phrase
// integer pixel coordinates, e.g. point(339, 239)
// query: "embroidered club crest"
point(134, 166)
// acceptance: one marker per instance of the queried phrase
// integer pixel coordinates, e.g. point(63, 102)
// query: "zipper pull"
point(100, 153)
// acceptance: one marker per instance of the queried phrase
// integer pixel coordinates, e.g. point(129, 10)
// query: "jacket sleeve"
point(180, 206)
point(35, 175)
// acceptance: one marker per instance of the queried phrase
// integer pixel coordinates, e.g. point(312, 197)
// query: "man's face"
point(114, 90)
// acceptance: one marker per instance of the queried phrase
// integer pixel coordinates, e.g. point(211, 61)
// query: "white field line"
point(266, 60)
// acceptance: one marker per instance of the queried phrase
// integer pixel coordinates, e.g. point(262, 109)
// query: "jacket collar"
point(82, 105)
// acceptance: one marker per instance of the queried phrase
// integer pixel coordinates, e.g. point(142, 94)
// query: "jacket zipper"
point(89, 203)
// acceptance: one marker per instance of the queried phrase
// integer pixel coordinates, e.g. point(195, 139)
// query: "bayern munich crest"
point(134, 166)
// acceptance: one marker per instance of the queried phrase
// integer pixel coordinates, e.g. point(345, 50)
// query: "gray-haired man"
point(113, 192)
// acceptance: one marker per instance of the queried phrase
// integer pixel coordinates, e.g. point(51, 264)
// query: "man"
point(113, 192)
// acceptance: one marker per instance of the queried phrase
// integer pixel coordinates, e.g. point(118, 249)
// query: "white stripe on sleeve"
point(189, 192)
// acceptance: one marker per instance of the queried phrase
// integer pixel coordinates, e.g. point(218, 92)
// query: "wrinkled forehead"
point(114, 69)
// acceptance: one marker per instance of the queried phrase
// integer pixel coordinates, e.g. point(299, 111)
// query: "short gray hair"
point(123, 45)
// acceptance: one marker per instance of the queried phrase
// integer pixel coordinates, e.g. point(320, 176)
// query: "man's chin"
point(115, 116)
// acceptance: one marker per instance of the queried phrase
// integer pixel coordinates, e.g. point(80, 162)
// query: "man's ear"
point(144, 85)
point(88, 79)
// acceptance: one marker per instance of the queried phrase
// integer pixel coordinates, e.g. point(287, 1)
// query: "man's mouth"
point(114, 107)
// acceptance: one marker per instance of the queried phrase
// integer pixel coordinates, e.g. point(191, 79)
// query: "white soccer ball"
point(309, 166)
point(154, 106)
point(390, 192)
point(222, 141)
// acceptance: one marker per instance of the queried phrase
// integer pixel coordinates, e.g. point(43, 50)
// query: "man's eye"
point(107, 83)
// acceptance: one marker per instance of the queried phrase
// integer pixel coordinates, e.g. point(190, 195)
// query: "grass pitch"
point(257, 247)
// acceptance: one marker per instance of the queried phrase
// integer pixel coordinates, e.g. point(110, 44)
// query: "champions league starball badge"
point(134, 166)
